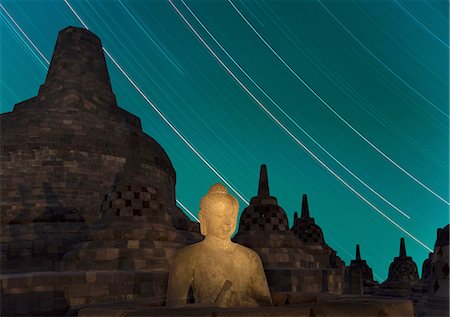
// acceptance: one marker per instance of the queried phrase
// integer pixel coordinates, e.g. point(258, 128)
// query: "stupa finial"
point(402, 248)
point(305, 208)
point(263, 186)
point(358, 254)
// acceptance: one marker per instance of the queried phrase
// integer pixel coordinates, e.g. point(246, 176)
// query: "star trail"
point(381, 66)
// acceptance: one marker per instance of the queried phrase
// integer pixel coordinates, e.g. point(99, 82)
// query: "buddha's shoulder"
point(188, 251)
point(247, 252)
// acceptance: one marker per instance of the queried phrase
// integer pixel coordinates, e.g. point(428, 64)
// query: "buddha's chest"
point(211, 273)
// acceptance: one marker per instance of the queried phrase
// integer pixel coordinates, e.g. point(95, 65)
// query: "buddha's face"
point(219, 219)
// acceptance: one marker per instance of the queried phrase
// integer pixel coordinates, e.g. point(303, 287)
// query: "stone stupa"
point(289, 266)
point(264, 227)
point(61, 152)
point(435, 278)
point(358, 267)
point(402, 276)
point(311, 235)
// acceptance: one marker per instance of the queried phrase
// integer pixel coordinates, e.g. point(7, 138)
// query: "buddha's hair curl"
point(217, 194)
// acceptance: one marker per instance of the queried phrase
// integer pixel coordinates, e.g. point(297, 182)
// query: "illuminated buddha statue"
point(220, 272)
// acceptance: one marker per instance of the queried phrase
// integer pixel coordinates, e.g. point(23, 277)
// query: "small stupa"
point(135, 228)
point(312, 238)
point(288, 264)
point(264, 227)
point(360, 267)
point(403, 275)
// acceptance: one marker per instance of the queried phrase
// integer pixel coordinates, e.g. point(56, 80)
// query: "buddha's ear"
point(202, 217)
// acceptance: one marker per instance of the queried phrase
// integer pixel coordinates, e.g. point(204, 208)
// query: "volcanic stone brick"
point(436, 280)
point(130, 226)
point(62, 149)
point(60, 152)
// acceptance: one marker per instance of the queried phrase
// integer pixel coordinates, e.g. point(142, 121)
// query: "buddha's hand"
point(226, 295)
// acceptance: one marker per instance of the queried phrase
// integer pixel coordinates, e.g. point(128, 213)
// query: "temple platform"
point(339, 306)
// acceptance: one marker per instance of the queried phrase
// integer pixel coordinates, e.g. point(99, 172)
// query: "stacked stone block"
point(305, 227)
point(61, 151)
point(308, 281)
point(135, 232)
point(34, 294)
point(264, 219)
point(38, 246)
point(54, 293)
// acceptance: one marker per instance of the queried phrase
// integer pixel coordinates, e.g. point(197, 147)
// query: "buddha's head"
point(218, 213)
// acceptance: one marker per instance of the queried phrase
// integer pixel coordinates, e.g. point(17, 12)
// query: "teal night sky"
point(381, 66)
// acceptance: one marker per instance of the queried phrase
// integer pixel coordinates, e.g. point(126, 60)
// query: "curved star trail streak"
point(294, 137)
point(174, 129)
point(188, 211)
point(163, 51)
point(381, 62)
point(24, 34)
point(337, 244)
point(289, 117)
point(420, 23)
point(349, 90)
point(332, 110)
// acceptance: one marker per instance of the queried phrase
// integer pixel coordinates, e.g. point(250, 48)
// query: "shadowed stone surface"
point(136, 230)
point(134, 252)
point(63, 166)
point(323, 307)
point(60, 152)
point(435, 279)
point(72, 136)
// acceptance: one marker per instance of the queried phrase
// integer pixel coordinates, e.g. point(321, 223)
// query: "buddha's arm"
point(261, 292)
point(180, 278)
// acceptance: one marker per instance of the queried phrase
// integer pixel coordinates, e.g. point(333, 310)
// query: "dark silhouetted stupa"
point(359, 270)
point(70, 156)
point(313, 240)
point(289, 266)
point(402, 276)
point(435, 279)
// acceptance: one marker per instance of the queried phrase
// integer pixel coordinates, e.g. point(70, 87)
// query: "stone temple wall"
point(330, 281)
point(61, 153)
point(50, 159)
point(54, 293)
point(65, 146)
